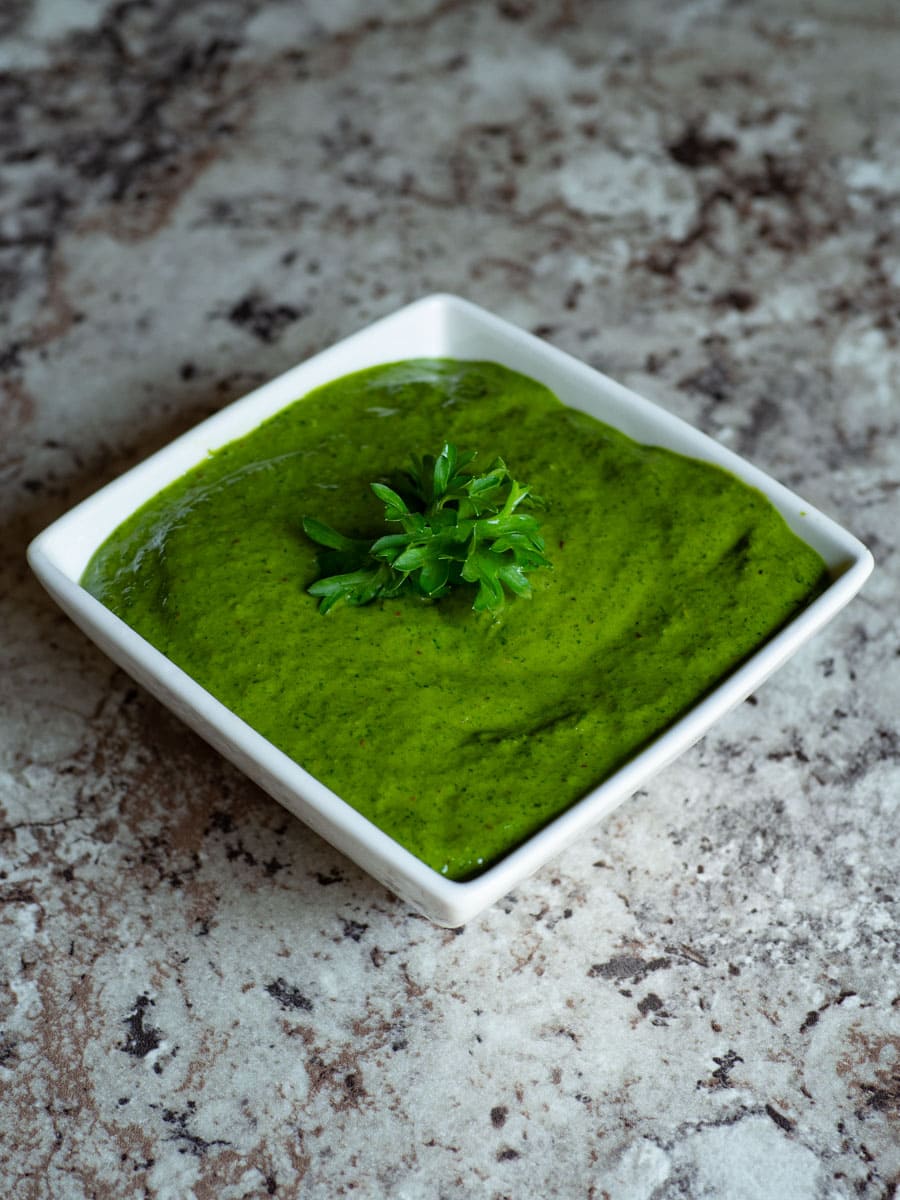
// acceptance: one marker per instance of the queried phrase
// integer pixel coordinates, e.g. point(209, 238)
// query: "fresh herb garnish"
point(458, 528)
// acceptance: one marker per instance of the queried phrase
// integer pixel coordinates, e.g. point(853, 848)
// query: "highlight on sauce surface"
point(457, 732)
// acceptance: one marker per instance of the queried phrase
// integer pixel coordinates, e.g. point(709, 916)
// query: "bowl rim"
point(56, 552)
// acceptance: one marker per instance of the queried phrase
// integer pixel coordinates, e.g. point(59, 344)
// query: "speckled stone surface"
point(201, 999)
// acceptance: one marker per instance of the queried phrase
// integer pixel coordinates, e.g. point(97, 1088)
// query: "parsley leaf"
point(458, 528)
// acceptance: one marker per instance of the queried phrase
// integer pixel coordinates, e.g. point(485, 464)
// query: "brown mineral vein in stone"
point(138, 222)
point(414, 991)
point(337, 1071)
point(188, 829)
point(300, 1159)
point(526, 955)
point(58, 311)
point(877, 1056)
point(137, 1148)
point(226, 1168)
point(92, 1181)
point(202, 899)
point(61, 1041)
point(305, 1033)
point(209, 1047)
point(16, 413)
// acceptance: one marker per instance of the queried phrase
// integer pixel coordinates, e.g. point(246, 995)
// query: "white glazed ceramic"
point(442, 326)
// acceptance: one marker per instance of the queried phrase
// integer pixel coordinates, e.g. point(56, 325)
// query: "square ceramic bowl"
point(439, 326)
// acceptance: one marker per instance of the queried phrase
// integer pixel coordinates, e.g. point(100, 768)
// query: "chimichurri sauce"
point(457, 733)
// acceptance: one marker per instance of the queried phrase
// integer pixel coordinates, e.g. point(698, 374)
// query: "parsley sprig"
point(457, 528)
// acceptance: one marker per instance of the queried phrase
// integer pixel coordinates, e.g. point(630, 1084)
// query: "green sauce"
point(457, 733)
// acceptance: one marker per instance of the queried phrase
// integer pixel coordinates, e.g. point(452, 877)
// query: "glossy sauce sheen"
point(457, 733)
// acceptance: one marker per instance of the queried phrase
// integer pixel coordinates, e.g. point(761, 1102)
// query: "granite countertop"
point(199, 997)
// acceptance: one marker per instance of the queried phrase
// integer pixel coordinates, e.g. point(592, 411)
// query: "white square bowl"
point(437, 326)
